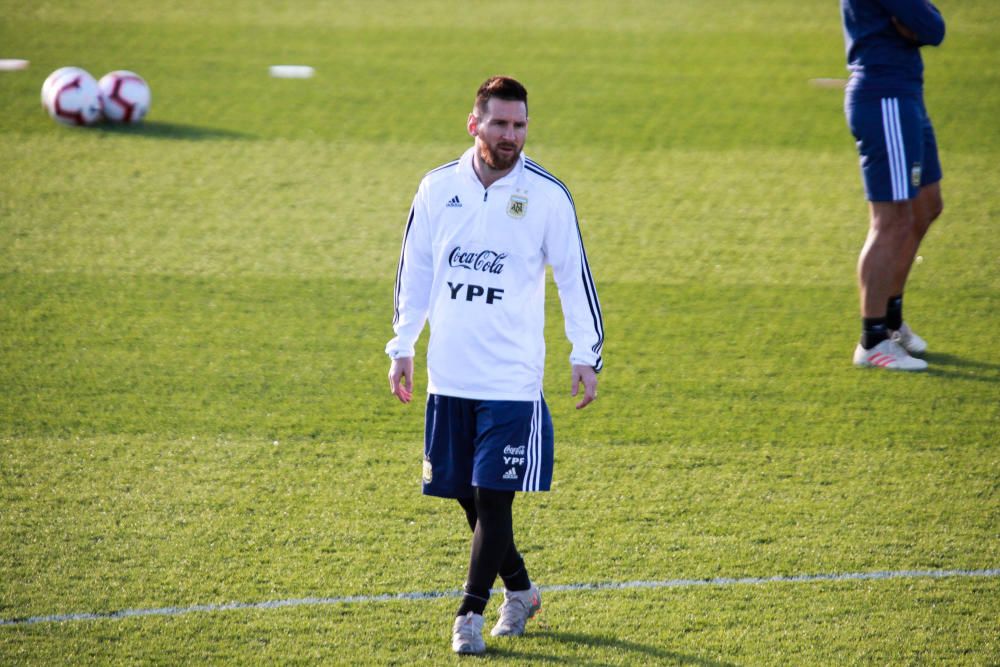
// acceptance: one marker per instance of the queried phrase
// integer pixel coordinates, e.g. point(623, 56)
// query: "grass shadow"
point(177, 131)
point(950, 365)
point(642, 653)
point(953, 360)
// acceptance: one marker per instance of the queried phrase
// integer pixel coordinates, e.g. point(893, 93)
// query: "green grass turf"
point(193, 404)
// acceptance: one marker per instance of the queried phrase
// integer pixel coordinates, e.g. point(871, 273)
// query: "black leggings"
point(493, 552)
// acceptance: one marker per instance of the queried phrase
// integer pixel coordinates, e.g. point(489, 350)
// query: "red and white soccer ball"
point(70, 96)
point(50, 82)
point(125, 96)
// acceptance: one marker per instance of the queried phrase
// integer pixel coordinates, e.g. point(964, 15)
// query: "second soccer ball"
point(125, 96)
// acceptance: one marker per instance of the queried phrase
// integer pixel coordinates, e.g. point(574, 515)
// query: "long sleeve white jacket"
point(473, 264)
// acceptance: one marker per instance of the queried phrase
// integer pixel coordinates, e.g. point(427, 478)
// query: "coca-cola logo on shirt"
point(485, 261)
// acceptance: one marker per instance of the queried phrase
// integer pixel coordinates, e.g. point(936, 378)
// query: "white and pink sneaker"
point(517, 608)
point(910, 341)
point(467, 635)
point(888, 354)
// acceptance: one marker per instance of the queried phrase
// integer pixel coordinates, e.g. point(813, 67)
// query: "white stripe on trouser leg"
point(904, 191)
point(890, 146)
point(526, 482)
point(536, 469)
point(893, 139)
point(536, 446)
point(536, 482)
point(895, 147)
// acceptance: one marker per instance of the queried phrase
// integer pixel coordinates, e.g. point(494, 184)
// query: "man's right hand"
point(401, 378)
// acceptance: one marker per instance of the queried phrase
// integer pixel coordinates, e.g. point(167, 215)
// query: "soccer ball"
point(49, 84)
point(125, 96)
point(70, 95)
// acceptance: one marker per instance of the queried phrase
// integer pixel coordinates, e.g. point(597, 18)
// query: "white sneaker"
point(888, 354)
point(910, 341)
point(467, 635)
point(517, 608)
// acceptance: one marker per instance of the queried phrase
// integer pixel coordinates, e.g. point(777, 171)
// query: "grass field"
point(193, 404)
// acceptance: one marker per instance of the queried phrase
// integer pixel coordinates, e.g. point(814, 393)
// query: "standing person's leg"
point(492, 537)
point(513, 452)
point(927, 206)
point(889, 237)
point(507, 453)
point(449, 452)
point(527, 438)
point(889, 233)
point(889, 133)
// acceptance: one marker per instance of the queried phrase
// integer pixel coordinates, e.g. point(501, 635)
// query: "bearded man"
point(480, 233)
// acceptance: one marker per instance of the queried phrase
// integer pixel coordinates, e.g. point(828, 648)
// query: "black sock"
point(518, 579)
point(873, 331)
point(492, 538)
point(894, 313)
point(472, 602)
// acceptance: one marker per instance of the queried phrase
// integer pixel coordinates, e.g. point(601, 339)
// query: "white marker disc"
point(12, 64)
point(291, 71)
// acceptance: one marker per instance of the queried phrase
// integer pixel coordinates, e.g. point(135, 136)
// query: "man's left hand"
point(588, 377)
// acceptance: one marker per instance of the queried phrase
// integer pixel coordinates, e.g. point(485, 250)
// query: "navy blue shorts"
point(500, 445)
point(896, 143)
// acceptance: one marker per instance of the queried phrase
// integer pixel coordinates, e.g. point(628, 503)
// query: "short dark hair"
point(502, 87)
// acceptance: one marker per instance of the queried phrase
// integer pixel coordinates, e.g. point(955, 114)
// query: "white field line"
point(430, 595)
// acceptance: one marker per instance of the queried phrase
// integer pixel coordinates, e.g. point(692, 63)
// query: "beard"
point(496, 160)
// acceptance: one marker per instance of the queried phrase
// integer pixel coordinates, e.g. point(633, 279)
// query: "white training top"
point(473, 263)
